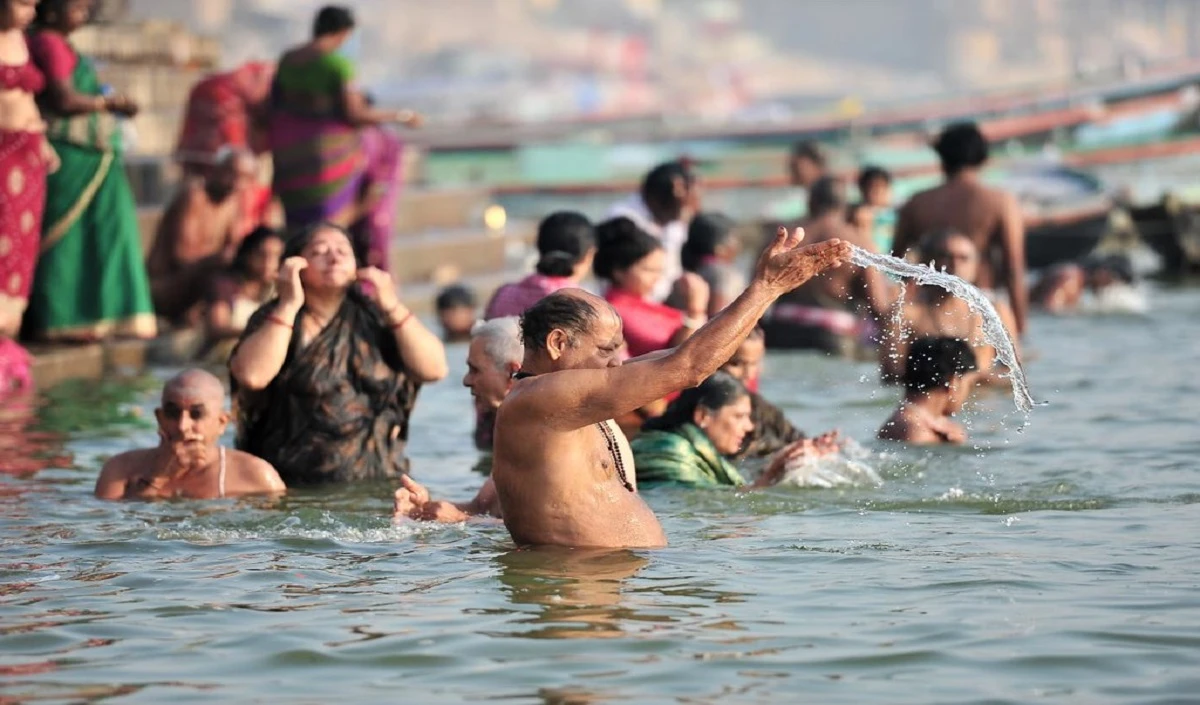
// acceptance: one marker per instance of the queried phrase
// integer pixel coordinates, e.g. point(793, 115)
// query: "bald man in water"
point(189, 461)
point(562, 468)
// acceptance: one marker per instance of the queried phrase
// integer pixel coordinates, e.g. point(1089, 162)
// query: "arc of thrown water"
point(994, 331)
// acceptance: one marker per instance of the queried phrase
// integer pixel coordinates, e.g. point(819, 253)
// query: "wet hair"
point(706, 233)
point(714, 394)
point(558, 311)
point(253, 241)
point(869, 175)
point(934, 244)
point(620, 244)
point(809, 150)
point(501, 340)
point(659, 185)
point(455, 296)
point(961, 146)
point(933, 363)
point(827, 194)
point(563, 240)
point(332, 19)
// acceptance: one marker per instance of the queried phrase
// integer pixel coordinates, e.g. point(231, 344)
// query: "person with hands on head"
point(326, 375)
point(189, 461)
point(563, 471)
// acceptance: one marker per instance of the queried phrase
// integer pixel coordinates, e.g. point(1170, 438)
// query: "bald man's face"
point(191, 421)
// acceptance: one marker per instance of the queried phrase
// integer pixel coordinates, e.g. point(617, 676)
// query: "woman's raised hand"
point(382, 289)
point(291, 291)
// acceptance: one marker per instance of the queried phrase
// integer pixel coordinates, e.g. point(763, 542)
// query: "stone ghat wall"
point(155, 63)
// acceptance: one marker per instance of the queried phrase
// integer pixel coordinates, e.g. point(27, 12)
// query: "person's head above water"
point(936, 364)
point(875, 186)
point(191, 416)
point(332, 265)
point(952, 252)
point(720, 407)
point(628, 257)
point(710, 236)
point(746, 364)
point(670, 191)
point(64, 16)
point(258, 255)
point(806, 163)
point(571, 329)
point(333, 23)
point(566, 243)
point(456, 310)
point(826, 195)
point(961, 146)
point(494, 356)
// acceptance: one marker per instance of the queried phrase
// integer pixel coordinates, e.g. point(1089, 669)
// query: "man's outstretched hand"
point(786, 265)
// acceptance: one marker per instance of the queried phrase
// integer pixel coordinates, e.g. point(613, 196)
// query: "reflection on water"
point(580, 592)
point(1054, 565)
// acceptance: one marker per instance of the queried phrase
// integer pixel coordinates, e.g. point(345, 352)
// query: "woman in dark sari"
point(326, 375)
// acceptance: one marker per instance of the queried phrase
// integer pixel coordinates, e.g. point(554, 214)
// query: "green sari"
point(91, 279)
point(684, 456)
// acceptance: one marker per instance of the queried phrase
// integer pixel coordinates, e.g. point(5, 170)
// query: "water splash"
point(994, 331)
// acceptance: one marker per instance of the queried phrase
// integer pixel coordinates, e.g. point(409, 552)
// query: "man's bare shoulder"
point(129, 462)
point(253, 471)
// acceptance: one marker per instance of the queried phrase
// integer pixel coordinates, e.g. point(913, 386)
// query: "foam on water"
point(993, 328)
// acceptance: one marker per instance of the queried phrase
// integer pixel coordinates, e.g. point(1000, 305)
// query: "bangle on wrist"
point(400, 324)
point(280, 322)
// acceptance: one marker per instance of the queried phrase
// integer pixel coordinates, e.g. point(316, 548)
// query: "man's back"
point(966, 206)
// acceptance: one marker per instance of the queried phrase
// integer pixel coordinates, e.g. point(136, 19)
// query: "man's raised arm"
point(573, 399)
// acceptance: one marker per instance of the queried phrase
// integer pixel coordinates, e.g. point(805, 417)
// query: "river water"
point(1058, 564)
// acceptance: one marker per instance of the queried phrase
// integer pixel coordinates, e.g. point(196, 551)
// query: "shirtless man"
point(935, 382)
point(931, 311)
point(198, 236)
point(493, 358)
point(989, 217)
point(822, 313)
point(563, 470)
point(189, 461)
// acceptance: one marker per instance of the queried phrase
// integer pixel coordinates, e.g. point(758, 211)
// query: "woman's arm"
point(259, 357)
point(359, 113)
point(421, 351)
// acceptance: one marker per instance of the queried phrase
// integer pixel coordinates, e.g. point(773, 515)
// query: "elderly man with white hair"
point(494, 356)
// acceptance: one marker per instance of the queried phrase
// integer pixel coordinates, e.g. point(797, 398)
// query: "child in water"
point(934, 389)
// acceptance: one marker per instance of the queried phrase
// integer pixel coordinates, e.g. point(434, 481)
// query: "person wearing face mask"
point(198, 236)
point(326, 375)
point(189, 461)
point(91, 278)
point(692, 443)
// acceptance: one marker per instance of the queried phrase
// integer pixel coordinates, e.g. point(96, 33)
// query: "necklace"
point(615, 450)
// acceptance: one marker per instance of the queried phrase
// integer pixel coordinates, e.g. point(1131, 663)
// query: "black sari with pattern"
point(338, 410)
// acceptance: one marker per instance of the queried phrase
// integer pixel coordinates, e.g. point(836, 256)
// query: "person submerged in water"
point(493, 357)
point(189, 461)
point(931, 311)
point(563, 470)
point(692, 444)
point(772, 430)
point(934, 389)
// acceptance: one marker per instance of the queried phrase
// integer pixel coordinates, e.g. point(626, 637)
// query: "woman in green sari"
point(691, 444)
point(91, 279)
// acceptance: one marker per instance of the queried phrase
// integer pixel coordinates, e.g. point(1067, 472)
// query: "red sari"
point(649, 327)
point(22, 199)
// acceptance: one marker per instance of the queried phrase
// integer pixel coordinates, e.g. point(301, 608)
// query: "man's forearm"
point(711, 347)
